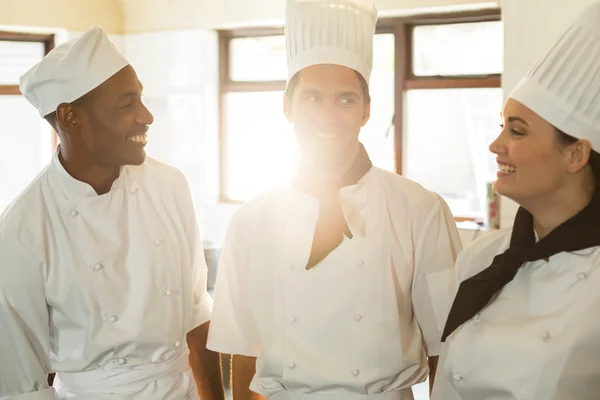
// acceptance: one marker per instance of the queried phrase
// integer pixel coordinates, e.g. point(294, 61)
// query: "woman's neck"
point(554, 210)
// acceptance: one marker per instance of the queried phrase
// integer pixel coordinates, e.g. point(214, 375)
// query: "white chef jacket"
point(360, 322)
point(538, 339)
point(101, 289)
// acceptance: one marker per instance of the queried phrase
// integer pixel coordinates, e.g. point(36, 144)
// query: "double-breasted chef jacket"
point(101, 289)
point(537, 339)
point(359, 324)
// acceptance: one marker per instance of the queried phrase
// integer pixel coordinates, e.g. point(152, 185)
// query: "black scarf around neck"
point(580, 232)
point(331, 225)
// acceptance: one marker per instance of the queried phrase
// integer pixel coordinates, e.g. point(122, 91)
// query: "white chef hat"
point(563, 87)
point(71, 70)
point(336, 32)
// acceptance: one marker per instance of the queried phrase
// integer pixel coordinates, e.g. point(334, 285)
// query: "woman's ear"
point(578, 155)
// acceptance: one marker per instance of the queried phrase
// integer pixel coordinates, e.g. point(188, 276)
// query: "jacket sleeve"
point(24, 326)
point(434, 283)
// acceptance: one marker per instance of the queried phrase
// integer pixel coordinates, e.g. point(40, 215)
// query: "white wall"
point(160, 15)
point(530, 28)
point(75, 15)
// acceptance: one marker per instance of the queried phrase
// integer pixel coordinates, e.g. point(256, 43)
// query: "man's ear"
point(366, 115)
point(68, 117)
point(287, 108)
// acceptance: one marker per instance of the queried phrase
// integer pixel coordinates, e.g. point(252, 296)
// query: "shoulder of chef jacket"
point(478, 255)
point(419, 221)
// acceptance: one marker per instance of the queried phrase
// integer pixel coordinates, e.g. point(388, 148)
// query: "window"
point(26, 140)
point(450, 105)
point(436, 97)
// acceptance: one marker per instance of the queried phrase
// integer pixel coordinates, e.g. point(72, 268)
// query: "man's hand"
point(206, 365)
point(433, 362)
point(242, 371)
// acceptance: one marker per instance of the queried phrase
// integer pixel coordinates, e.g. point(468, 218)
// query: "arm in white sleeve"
point(434, 283)
point(232, 329)
point(203, 302)
point(24, 326)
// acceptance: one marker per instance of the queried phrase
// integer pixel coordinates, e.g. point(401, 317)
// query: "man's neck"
point(100, 178)
point(327, 174)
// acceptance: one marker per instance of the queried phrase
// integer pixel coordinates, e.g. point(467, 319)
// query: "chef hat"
point(71, 70)
point(563, 87)
point(330, 32)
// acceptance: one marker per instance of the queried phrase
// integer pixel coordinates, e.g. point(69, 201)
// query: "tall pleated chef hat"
point(563, 87)
point(71, 70)
point(336, 32)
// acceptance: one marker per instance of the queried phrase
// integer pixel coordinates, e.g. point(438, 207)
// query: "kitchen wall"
point(72, 15)
point(160, 15)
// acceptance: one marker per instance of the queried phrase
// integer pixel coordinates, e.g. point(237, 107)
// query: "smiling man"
point(102, 275)
point(337, 285)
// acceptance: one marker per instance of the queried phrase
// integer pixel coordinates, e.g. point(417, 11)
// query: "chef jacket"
point(537, 339)
point(101, 289)
point(363, 320)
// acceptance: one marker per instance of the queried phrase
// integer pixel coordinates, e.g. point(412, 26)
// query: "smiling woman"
point(534, 163)
point(520, 324)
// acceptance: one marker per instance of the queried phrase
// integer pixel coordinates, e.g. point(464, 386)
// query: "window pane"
point(16, 58)
point(458, 49)
point(25, 146)
point(378, 134)
point(447, 137)
point(258, 59)
point(261, 147)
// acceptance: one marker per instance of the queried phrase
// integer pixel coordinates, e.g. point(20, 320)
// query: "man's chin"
point(327, 156)
point(140, 160)
point(325, 160)
point(134, 159)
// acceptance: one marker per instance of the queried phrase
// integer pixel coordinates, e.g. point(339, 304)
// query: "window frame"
point(404, 77)
point(48, 40)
